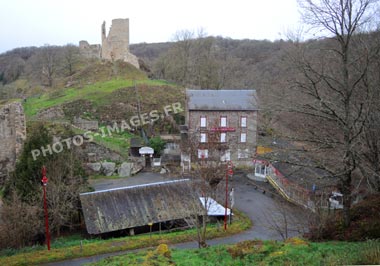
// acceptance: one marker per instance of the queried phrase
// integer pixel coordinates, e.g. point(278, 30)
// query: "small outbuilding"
point(135, 206)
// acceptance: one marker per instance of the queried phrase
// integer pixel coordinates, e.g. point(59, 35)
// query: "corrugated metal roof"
point(226, 100)
point(128, 207)
point(214, 208)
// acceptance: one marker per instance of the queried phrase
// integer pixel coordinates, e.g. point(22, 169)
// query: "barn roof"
point(222, 100)
point(128, 207)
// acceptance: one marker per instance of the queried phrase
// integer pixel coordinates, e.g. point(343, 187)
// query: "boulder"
point(108, 168)
point(95, 167)
point(163, 171)
point(137, 167)
point(125, 169)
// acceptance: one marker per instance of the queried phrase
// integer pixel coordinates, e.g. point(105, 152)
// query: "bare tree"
point(48, 62)
point(207, 172)
point(335, 90)
point(21, 223)
point(66, 181)
point(193, 60)
point(370, 163)
point(284, 220)
point(70, 58)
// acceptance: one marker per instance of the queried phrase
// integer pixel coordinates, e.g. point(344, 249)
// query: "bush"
point(365, 223)
point(163, 250)
point(157, 144)
point(244, 248)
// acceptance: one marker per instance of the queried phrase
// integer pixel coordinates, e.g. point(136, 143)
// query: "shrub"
point(244, 248)
point(163, 250)
point(157, 144)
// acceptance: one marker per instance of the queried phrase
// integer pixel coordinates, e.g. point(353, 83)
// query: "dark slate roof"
point(226, 100)
point(136, 143)
point(128, 207)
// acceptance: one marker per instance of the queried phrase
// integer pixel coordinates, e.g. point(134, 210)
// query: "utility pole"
point(44, 181)
point(230, 172)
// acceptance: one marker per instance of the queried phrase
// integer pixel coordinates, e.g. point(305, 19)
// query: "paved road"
point(258, 206)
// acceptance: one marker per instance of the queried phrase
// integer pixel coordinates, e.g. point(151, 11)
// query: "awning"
point(146, 150)
point(214, 208)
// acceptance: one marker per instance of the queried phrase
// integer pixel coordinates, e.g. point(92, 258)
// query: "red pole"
point(44, 183)
point(226, 204)
point(228, 172)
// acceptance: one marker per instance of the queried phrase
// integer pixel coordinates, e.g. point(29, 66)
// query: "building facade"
point(226, 118)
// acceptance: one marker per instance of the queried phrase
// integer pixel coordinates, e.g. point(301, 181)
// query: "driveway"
point(264, 210)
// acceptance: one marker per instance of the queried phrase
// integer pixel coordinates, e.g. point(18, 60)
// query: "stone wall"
point(86, 124)
point(115, 45)
point(240, 153)
point(12, 135)
point(51, 114)
point(90, 50)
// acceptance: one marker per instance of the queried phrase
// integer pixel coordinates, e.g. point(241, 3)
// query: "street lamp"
point(229, 172)
point(44, 181)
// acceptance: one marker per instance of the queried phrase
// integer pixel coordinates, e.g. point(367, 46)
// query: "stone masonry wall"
point(90, 50)
point(115, 45)
point(237, 149)
point(12, 135)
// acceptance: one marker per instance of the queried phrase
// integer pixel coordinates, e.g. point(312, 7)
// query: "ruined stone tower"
point(115, 45)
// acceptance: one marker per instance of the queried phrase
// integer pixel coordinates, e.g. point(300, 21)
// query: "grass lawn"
point(256, 252)
point(68, 248)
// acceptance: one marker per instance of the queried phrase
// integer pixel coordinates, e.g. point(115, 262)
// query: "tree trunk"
point(346, 191)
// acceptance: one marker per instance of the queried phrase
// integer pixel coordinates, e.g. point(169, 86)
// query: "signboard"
point(262, 150)
point(223, 129)
point(146, 150)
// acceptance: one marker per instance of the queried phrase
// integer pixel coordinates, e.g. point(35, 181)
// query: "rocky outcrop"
point(12, 135)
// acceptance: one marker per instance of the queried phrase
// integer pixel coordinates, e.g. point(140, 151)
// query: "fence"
point(293, 192)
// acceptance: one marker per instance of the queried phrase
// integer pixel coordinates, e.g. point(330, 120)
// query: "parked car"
point(336, 200)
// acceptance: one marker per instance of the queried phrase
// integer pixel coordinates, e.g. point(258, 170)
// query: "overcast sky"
point(59, 22)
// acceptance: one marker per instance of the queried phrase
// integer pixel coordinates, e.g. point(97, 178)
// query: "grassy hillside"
point(96, 93)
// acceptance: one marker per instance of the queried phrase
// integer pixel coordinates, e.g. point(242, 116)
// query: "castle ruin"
point(115, 45)
point(12, 135)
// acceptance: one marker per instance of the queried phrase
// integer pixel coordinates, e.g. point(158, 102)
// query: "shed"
point(135, 145)
point(129, 207)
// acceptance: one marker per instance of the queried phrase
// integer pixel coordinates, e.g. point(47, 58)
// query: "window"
point(223, 137)
point(202, 154)
point(243, 137)
point(243, 121)
point(243, 154)
point(226, 156)
point(223, 121)
point(203, 121)
point(260, 170)
point(203, 137)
